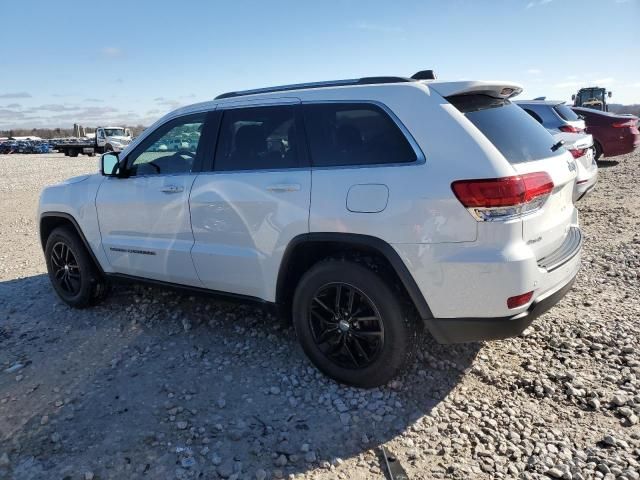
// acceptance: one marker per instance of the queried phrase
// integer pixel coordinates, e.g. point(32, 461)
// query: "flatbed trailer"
point(106, 139)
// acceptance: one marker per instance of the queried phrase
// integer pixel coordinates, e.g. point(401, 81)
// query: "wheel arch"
point(49, 221)
point(307, 249)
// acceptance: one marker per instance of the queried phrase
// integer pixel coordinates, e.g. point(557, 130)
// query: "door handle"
point(284, 187)
point(172, 189)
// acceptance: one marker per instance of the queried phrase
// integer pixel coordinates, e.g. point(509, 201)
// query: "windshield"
point(114, 132)
point(512, 131)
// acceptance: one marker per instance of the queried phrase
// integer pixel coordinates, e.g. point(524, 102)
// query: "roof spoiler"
point(496, 88)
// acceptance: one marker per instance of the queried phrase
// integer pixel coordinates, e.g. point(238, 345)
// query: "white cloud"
point(111, 52)
point(601, 82)
point(16, 95)
point(538, 3)
point(375, 27)
point(571, 84)
point(604, 81)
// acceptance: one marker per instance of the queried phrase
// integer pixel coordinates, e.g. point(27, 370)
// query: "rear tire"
point(73, 152)
point(346, 343)
point(72, 272)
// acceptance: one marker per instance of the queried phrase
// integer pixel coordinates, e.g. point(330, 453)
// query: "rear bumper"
point(621, 146)
point(460, 330)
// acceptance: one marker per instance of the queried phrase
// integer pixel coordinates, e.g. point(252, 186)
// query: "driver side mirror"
point(109, 164)
point(609, 93)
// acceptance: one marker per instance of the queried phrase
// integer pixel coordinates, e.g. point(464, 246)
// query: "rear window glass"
point(566, 113)
point(354, 134)
point(518, 136)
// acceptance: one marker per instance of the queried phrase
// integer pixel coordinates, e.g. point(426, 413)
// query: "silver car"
point(580, 145)
point(553, 115)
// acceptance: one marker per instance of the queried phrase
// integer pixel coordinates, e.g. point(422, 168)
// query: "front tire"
point(72, 272)
point(351, 324)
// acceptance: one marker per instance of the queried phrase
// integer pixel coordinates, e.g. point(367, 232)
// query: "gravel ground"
point(154, 384)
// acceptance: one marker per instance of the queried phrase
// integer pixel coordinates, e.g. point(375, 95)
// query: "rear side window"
point(257, 138)
point(566, 113)
point(512, 131)
point(342, 134)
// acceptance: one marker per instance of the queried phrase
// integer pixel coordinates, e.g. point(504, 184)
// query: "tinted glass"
point(257, 138)
point(534, 115)
point(354, 134)
point(566, 113)
point(512, 131)
point(170, 149)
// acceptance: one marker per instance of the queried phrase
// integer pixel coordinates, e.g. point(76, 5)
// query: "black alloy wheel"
point(66, 270)
point(346, 325)
point(72, 272)
point(353, 323)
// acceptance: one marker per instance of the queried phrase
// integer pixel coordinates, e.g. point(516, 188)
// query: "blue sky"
point(130, 62)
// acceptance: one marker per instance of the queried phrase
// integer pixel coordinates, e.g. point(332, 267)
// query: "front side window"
point(170, 149)
point(257, 138)
point(343, 134)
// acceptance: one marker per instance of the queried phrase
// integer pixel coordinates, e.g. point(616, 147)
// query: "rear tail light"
point(570, 129)
point(578, 152)
point(504, 198)
point(519, 300)
point(624, 124)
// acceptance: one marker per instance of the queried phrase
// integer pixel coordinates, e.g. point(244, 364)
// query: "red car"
point(613, 134)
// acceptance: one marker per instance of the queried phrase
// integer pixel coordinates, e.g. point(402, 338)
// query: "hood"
point(78, 179)
point(120, 138)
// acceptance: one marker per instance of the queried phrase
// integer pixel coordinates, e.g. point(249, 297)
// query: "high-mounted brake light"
point(492, 199)
point(578, 152)
point(570, 129)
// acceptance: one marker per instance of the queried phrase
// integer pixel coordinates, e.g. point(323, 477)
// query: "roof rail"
point(304, 86)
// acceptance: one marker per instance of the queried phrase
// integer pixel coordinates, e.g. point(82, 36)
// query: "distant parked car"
point(580, 145)
point(614, 134)
point(554, 115)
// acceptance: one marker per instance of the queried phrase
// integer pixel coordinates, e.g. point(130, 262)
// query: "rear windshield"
point(511, 130)
point(566, 113)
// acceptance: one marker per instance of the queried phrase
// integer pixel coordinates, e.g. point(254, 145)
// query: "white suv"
point(361, 209)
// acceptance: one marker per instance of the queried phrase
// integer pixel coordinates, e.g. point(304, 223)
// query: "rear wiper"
point(557, 145)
